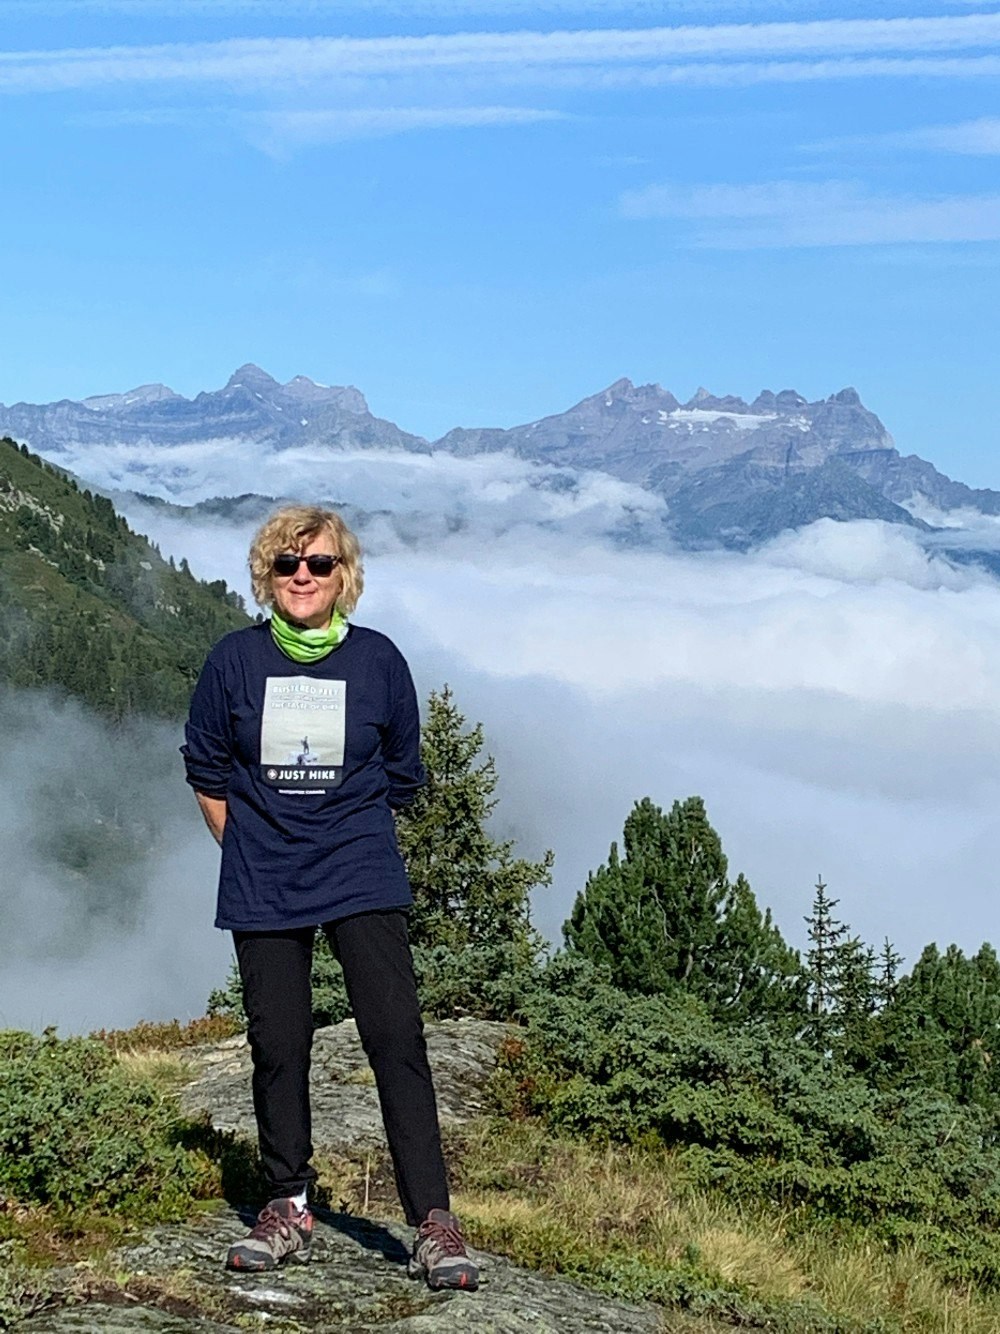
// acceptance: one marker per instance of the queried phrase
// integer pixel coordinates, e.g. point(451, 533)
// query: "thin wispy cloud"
point(806, 214)
point(976, 138)
point(637, 9)
point(299, 61)
point(747, 74)
point(280, 131)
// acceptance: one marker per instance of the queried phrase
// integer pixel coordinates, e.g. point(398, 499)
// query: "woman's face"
point(308, 599)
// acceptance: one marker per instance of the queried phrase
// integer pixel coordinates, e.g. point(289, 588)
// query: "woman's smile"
point(303, 597)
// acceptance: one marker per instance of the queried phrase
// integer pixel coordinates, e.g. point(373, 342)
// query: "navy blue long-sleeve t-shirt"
point(312, 759)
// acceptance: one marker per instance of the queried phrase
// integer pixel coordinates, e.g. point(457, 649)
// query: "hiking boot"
point(439, 1254)
point(280, 1233)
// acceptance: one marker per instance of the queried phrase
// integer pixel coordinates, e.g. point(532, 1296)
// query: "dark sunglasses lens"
point(321, 565)
point(285, 565)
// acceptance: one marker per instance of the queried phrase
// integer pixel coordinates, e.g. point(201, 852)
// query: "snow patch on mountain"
point(743, 421)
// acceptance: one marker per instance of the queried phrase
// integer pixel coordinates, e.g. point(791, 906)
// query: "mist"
point(832, 696)
point(109, 875)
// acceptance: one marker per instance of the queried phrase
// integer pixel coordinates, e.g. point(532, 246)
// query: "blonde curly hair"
point(290, 529)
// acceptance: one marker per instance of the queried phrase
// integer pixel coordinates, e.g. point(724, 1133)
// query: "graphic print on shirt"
point(302, 733)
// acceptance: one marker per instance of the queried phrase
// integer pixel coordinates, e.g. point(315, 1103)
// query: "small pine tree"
point(651, 917)
point(468, 887)
point(825, 933)
point(888, 972)
point(942, 1028)
point(755, 975)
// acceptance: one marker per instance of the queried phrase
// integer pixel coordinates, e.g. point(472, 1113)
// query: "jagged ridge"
point(731, 471)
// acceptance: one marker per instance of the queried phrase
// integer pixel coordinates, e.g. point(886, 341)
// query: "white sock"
point(299, 1200)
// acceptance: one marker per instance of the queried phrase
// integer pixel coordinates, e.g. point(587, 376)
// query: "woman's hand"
point(214, 811)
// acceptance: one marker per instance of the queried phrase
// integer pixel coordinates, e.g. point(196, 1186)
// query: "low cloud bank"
point(832, 696)
point(106, 870)
point(418, 494)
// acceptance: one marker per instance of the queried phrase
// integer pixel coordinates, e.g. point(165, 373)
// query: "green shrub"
point(24, 1290)
point(762, 1116)
point(490, 981)
point(78, 1133)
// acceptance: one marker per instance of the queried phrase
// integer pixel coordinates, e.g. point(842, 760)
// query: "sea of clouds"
point(833, 696)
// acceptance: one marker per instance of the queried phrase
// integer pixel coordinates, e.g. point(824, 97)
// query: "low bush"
point(81, 1135)
point(169, 1036)
point(761, 1116)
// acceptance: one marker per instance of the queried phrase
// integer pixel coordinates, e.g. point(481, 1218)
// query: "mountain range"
point(731, 473)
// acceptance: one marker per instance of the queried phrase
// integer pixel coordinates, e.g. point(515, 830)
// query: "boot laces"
point(445, 1235)
point(269, 1222)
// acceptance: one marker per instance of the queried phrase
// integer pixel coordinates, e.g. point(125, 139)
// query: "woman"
point(302, 742)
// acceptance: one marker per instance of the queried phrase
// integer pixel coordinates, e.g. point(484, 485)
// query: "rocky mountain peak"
point(143, 393)
point(306, 391)
point(849, 397)
point(250, 374)
point(636, 398)
point(712, 403)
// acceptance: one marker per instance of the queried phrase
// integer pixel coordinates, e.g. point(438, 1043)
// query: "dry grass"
point(155, 1052)
point(564, 1206)
point(165, 1069)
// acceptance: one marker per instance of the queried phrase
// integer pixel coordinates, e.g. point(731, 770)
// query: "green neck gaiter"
point(304, 645)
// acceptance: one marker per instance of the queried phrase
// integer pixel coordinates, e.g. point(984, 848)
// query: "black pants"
point(374, 951)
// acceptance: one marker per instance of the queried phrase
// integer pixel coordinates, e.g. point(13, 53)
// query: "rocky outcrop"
point(174, 1283)
point(345, 1106)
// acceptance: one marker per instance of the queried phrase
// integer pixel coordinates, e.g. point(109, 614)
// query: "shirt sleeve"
point(207, 748)
point(401, 736)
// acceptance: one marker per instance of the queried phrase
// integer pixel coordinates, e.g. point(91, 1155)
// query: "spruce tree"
point(888, 972)
point(468, 887)
point(825, 934)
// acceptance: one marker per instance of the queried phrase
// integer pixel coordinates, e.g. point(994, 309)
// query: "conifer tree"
point(888, 972)
point(942, 1028)
point(825, 934)
point(664, 917)
point(752, 972)
point(468, 887)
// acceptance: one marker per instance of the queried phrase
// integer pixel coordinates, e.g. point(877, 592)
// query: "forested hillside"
point(90, 606)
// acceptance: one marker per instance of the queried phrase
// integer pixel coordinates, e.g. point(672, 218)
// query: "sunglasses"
point(320, 566)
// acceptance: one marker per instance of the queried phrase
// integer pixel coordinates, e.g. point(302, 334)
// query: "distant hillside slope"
point(91, 607)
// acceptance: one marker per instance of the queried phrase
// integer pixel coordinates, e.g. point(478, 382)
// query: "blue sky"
point(479, 213)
